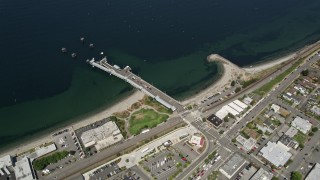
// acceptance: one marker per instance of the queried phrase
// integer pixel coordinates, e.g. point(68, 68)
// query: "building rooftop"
point(41, 151)
point(222, 113)
point(301, 124)
point(23, 170)
point(232, 166)
point(248, 144)
point(102, 136)
point(262, 174)
point(291, 132)
point(276, 153)
point(5, 161)
point(314, 173)
point(275, 108)
point(197, 140)
point(215, 120)
point(316, 110)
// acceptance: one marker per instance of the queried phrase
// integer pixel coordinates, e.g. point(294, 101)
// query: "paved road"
point(74, 171)
point(272, 96)
point(309, 146)
point(261, 82)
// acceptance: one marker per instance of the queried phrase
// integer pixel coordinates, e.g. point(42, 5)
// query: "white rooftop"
point(314, 173)
point(41, 151)
point(275, 108)
point(276, 153)
point(248, 144)
point(22, 170)
point(291, 132)
point(262, 174)
point(301, 124)
point(235, 107)
point(5, 161)
point(109, 131)
point(241, 104)
point(222, 113)
point(196, 140)
point(230, 167)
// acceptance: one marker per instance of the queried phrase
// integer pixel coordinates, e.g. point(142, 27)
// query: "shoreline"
point(230, 71)
point(121, 105)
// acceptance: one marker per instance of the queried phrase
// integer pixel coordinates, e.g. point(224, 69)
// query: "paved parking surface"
point(185, 149)
point(163, 164)
point(134, 173)
point(106, 171)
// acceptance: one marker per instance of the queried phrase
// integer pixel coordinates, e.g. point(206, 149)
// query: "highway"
point(75, 170)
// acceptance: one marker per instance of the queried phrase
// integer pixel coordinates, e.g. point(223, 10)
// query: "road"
point(74, 171)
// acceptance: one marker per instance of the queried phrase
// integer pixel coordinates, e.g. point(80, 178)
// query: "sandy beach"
point(230, 72)
point(120, 106)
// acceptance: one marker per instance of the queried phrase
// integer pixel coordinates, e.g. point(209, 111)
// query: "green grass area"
point(156, 105)
point(145, 118)
point(300, 138)
point(267, 87)
point(276, 122)
point(40, 164)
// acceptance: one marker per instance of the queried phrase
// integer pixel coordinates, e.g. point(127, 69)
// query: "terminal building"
point(102, 136)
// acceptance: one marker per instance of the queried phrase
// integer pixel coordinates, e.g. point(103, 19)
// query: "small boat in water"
point(82, 39)
point(91, 46)
point(73, 55)
point(64, 50)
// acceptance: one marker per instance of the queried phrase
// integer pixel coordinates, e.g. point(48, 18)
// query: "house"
point(266, 126)
point(315, 110)
point(301, 124)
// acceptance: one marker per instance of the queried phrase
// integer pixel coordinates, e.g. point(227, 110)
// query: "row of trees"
point(41, 163)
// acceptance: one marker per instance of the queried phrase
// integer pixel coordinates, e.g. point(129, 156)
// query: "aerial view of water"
point(165, 42)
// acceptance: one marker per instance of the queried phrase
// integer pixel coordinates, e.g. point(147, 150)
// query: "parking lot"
point(106, 171)
point(185, 149)
point(164, 164)
point(131, 173)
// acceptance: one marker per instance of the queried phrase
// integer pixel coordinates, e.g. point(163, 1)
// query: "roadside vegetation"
point(267, 87)
point(41, 163)
point(145, 119)
point(149, 101)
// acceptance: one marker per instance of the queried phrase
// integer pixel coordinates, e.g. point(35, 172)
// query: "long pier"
point(134, 80)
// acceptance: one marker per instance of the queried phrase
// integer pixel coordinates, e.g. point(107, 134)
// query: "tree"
point(314, 129)
point(311, 134)
point(233, 83)
point(234, 140)
point(305, 72)
point(295, 175)
point(260, 131)
point(274, 178)
point(238, 89)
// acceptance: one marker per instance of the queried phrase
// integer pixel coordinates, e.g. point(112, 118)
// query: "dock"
point(137, 82)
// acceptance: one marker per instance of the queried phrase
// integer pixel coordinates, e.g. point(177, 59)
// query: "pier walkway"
point(126, 75)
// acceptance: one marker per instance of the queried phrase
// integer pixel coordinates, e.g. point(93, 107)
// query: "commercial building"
point(314, 174)
point(232, 166)
point(23, 170)
point(222, 113)
point(291, 132)
point(215, 120)
point(197, 140)
point(276, 153)
point(301, 124)
point(262, 174)
point(5, 162)
point(247, 144)
point(235, 107)
point(241, 104)
point(41, 151)
point(102, 136)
